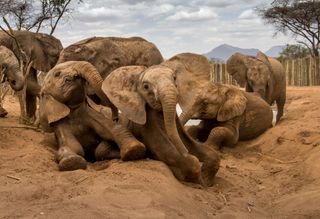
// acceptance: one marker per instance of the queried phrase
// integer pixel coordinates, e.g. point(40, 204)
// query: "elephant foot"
point(72, 162)
point(132, 151)
point(3, 112)
point(208, 172)
point(193, 171)
point(105, 151)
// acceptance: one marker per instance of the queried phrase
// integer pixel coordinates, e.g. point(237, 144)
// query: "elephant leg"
point(222, 136)
point(130, 147)
point(206, 154)
point(31, 105)
point(106, 151)
point(32, 91)
point(185, 168)
point(70, 153)
point(280, 105)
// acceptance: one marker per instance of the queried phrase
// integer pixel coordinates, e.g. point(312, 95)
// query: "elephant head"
point(253, 72)
point(191, 70)
point(64, 89)
point(10, 69)
point(218, 101)
point(42, 49)
point(130, 88)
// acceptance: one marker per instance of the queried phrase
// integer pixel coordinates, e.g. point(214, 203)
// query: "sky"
point(174, 26)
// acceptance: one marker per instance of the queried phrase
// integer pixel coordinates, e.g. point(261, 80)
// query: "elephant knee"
point(222, 136)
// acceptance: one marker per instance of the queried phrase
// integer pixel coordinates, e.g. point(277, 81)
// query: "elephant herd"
point(116, 98)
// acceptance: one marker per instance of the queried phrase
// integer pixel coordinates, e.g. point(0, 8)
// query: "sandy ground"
point(274, 176)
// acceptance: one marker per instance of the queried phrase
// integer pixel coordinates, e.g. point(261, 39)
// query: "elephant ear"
point(262, 57)
point(53, 110)
point(237, 67)
point(121, 88)
point(234, 105)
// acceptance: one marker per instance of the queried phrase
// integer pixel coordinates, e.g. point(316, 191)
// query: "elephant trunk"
point(185, 116)
point(88, 72)
point(17, 81)
point(168, 98)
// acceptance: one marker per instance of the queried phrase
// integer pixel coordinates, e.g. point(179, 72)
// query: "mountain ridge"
point(222, 52)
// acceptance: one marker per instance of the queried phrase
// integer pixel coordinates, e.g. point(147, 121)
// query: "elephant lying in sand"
point(148, 98)
point(227, 113)
point(79, 129)
point(42, 49)
point(260, 74)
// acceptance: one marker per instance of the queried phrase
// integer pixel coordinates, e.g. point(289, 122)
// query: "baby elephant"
point(228, 115)
point(260, 74)
point(79, 129)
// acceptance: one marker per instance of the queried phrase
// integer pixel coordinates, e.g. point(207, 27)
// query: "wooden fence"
point(299, 72)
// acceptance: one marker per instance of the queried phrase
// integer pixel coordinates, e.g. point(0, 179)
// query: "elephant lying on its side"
point(148, 98)
point(79, 129)
point(227, 113)
point(42, 49)
point(260, 74)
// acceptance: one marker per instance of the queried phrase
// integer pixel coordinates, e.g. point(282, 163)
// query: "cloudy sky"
point(175, 26)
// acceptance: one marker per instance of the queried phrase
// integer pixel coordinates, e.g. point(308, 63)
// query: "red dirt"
point(274, 176)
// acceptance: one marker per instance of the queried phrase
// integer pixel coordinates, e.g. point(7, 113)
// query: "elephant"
point(227, 115)
point(260, 74)
point(109, 53)
point(147, 97)
point(192, 70)
point(42, 49)
point(80, 130)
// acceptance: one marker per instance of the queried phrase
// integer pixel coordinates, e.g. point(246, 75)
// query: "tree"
point(37, 15)
point(294, 52)
point(301, 18)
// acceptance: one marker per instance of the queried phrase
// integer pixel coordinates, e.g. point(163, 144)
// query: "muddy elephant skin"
point(228, 114)
point(148, 98)
point(80, 130)
point(261, 74)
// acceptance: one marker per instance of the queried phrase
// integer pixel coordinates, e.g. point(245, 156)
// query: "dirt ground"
point(274, 176)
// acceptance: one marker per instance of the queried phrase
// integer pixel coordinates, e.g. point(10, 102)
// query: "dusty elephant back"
point(109, 53)
point(139, 50)
point(256, 119)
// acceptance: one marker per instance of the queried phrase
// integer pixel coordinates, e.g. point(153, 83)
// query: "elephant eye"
point(57, 74)
point(174, 76)
point(145, 86)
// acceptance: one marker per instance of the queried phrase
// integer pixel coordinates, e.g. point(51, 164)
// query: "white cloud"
point(248, 14)
point(203, 13)
point(173, 25)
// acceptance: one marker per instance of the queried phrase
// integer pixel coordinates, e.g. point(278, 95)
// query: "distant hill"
point(275, 51)
point(224, 51)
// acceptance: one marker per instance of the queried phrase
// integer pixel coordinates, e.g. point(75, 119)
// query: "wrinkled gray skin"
point(148, 98)
point(227, 113)
point(40, 48)
point(109, 53)
point(80, 130)
point(260, 74)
